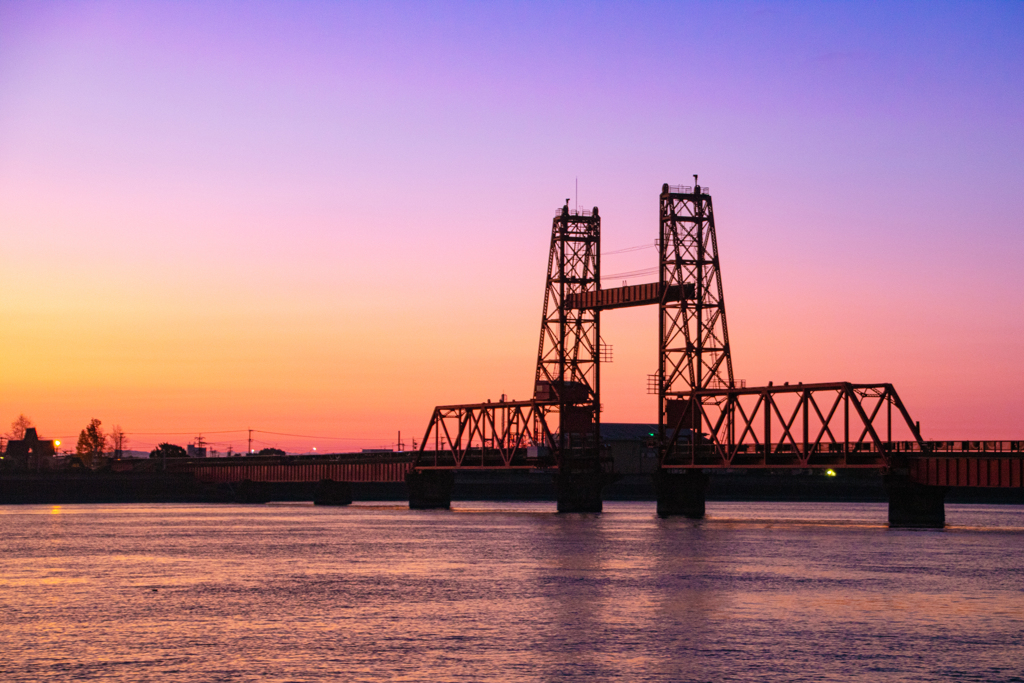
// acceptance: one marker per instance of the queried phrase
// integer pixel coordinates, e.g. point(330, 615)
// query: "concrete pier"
point(913, 505)
point(681, 493)
point(580, 491)
point(330, 492)
point(430, 489)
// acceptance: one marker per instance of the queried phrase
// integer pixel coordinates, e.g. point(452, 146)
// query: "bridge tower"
point(694, 349)
point(694, 339)
point(568, 360)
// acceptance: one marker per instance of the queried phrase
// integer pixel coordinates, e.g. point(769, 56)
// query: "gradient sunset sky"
point(326, 218)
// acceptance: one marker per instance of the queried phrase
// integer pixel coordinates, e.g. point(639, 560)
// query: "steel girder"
point(803, 425)
point(508, 434)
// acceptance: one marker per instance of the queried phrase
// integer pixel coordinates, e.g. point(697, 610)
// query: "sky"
point(323, 219)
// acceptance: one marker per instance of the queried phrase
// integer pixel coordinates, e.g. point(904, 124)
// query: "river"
point(508, 592)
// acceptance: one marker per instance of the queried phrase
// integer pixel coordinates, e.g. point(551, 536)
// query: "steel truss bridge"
point(706, 419)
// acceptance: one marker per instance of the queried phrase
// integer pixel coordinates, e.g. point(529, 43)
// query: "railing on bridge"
point(378, 467)
point(983, 469)
point(688, 189)
point(964, 447)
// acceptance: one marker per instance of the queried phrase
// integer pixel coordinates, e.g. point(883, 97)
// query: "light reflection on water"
point(508, 592)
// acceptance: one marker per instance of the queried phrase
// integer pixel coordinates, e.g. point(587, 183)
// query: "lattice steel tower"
point(694, 350)
point(568, 362)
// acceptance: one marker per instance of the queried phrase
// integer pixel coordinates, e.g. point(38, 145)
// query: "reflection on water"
point(508, 592)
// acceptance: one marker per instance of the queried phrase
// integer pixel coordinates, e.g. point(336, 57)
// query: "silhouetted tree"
point(91, 441)
point(168, 450)
point(18, 428)
point(271, 451)
point(118, 440)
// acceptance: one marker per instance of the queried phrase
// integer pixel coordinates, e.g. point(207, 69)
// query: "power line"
point(325, 438)
point(258, 431)
point(197, 431)
point(625, 250)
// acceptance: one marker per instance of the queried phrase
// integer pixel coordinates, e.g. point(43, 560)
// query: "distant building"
point(134, 454)
point(196, 451)
point(30, 453)
point(632, 446)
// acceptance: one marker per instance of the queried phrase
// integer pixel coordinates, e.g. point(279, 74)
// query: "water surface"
point(508, 592)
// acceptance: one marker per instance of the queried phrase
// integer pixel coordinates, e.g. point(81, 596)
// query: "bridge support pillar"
point(681, 493)
point(249, 491)
point(580, 491)
point(430, 489)
point(913, 505)
point(330, 492)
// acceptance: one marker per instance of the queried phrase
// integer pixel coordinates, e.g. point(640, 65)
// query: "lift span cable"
point(628, 249)
point(630, 273)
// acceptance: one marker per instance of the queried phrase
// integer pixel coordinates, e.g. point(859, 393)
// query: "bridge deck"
point(978, 464)
point(628, 296)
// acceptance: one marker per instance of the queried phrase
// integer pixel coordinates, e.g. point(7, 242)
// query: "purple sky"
point(326, 218)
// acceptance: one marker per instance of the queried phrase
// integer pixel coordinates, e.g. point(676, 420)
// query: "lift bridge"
point(706, 418)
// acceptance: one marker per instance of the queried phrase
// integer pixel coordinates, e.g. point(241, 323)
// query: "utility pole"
point(249, 452)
